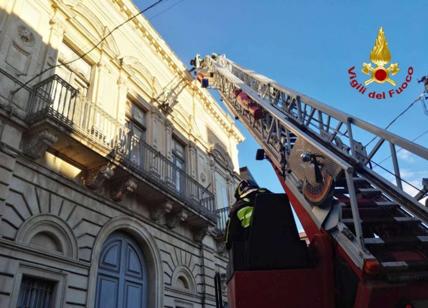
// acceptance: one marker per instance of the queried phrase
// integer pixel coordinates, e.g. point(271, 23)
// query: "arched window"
point(49, 233)
point(183, 283)
point(122, 275)
point(182, 279)
point(46, 241)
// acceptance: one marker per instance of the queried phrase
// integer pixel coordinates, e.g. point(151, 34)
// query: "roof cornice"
point(161, 47)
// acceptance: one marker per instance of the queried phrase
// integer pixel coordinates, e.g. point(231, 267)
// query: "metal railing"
point(222, 217)
point(150, 163)
point(58, 101)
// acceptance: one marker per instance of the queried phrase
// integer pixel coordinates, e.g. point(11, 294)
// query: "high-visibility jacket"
point(240, 218)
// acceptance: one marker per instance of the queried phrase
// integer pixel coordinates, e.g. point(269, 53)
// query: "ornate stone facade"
point(88, 159)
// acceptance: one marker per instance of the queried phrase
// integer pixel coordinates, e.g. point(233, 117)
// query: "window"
point(36, 293)
point(178, 159)
point(78, 73)
point(181, 304)
point(136, 123)
point(46, 241)
point(222, 196)
point(183, 283)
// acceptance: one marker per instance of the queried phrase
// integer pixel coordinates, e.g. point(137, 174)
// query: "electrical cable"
point(392, 173)
point(397, 117)
point(165, 10)
point(90, 50)
point(414, 139)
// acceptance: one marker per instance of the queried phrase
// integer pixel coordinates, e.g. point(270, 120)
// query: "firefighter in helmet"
point(241, 212)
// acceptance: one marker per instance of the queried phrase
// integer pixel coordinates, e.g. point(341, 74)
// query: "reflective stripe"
point(244, 215)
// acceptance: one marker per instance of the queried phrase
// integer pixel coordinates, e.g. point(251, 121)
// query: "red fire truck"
point(368, 236)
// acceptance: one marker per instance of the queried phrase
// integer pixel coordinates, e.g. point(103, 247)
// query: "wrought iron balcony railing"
point(58, 101)
point(222, 216)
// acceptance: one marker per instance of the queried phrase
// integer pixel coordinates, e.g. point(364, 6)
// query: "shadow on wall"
point(22, 55)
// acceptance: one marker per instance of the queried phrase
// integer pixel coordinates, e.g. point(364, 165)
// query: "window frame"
point(43, 273)
point(76, 75)
point(132, 123)
point(223, 175)
point(180, 184)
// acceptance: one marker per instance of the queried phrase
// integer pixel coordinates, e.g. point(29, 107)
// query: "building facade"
point(114, 164)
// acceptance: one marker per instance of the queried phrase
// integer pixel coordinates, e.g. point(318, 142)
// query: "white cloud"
point(405, 155)
point(413, 177)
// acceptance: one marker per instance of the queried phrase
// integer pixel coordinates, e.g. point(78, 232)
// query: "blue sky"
point(309, 46)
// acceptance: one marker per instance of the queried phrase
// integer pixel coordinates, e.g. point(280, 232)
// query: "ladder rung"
point(373, 241)
point(386, 203)
point(395, 265)
point(369, 211)
point(383, 220)
point(423, 238)
point(359, 179)
point(369, 191)
point(406, 219)
point(404, 265)
point(405, 242)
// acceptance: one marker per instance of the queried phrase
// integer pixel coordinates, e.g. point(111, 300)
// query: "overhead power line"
point(397, 117)
point(90, 50)
point(165, 10)
point(401, 179)
point(414, 139)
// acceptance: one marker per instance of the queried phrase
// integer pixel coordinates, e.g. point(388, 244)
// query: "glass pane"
point(137, 137)
point(178, 148)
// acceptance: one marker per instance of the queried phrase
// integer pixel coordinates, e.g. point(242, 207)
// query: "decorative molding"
point(162, 49)
point(175, 217)
point(182, 271)
point(158, 211)
point(128, 186)
point(140, 74)
point(36, 144)
point(147, 243)
point(199, 233)
point(221, 156)
point(25, 35)
point(52, 225)
point(96, 178)
point(43, 272)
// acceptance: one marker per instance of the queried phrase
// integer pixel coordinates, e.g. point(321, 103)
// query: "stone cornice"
point(161, 48)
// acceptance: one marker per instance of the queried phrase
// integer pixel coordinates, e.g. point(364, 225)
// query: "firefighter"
point(241, 212)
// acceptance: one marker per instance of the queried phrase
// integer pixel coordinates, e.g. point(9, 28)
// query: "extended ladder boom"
point(326, 170)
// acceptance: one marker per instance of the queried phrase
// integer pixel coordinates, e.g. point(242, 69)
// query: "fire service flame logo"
point(379, 71)
point(380, 56)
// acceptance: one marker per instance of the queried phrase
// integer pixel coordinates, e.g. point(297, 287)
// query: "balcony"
point(222, 217)
point(55, 106)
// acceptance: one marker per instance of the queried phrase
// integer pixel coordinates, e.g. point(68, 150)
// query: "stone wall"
point(53, 221)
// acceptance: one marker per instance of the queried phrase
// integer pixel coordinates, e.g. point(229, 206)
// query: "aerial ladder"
point(368, 236)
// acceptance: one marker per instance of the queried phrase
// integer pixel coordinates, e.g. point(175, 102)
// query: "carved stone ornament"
point(220, 155)
point(203, 177)
point(174, 218)
point(96, 178)
point(129, 186)
point(25, 35)
point(157, 211)
point(199, 233)
point(36, 144)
